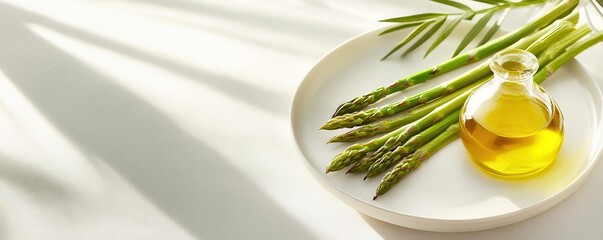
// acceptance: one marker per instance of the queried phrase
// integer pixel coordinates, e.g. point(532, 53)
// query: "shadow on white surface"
point(270, 100)
point(39, 185)
point(273, 30)
point(185, 178)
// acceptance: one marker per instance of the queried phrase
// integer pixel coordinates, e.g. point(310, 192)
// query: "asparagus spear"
point(385, 152)
point(537, 42)
point(413, 161)
point(355, 152)
point(560, 45)
point(434, 116)
point(569, 54)
point(415, 113)
point(419, 139)
point(476, 54)
point(388, 159)
point(387, 125)
point(373, 114)
point(393, 139)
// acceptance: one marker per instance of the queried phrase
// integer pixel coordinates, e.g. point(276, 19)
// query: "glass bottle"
point(510, 126)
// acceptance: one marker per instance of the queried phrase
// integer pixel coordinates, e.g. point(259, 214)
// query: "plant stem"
point(388, 125)
point(476, 54)
point(533, 41)
point(412, 162)
point(567, 56)
point(380, 165)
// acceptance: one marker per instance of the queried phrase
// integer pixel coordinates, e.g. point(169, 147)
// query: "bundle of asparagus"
point(429, 120)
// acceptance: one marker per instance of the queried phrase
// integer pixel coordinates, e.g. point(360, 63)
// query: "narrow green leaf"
point(492, 2)
point(425, 36)
point(414, 18)
point(399, 27)
point(494, 28)
point(469, 16)
point(489, 35)
point(444, 34)
point(410, 36)
point(473, 32)
point(455, 4)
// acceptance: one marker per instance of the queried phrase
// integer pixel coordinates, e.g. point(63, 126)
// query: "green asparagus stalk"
point(390, 158)
point(415, 113)
point(537, 42)
point(373, 114)
point(393, 139)
point(363, 163)
point(417, 126)
point(438, 113)
point(561, 29)
point(560, 45)
point(385, 151)
point(569, 54)
point(388, 125)
point(355, 152)
point(413, 161)
point(369, 160)
point(476, 54)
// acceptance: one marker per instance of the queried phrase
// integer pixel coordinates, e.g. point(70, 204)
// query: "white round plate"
point(448, 192)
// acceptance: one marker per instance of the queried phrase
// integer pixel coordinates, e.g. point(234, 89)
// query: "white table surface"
point(149, 119)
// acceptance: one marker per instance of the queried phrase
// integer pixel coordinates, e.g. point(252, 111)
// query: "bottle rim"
point(526, 58)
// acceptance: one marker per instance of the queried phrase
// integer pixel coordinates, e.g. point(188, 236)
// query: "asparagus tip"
point(327, 126)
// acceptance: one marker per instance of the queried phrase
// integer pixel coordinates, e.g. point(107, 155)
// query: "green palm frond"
point(426, 36)
point(408, 38)
point(474, 31)
point(494, 28)
point(422, 21)
point(444, 34)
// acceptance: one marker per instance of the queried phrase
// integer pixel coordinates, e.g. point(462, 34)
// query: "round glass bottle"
point(510, 126)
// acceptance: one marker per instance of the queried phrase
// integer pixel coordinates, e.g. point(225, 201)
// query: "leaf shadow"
point(186, 178)
point(268, 100)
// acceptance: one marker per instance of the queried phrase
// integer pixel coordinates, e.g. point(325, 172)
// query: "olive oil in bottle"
point(510, 126)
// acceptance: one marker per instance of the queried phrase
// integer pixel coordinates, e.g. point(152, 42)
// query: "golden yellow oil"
point(512, 135)
point(513, 66)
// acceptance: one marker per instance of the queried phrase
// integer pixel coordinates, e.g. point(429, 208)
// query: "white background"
point(149, 119)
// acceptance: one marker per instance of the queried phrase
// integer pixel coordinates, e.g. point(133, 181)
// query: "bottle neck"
point(513, 71)
point(514, 86)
